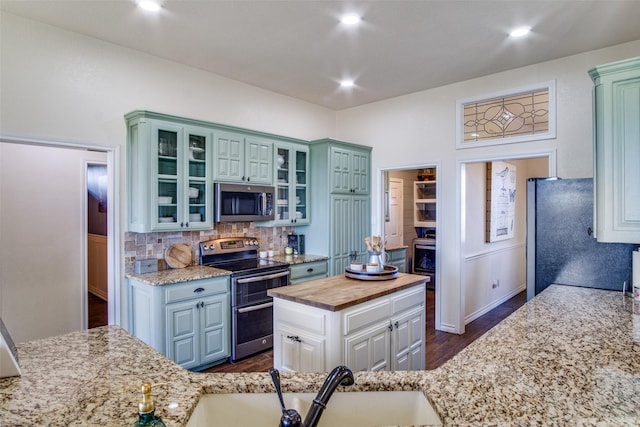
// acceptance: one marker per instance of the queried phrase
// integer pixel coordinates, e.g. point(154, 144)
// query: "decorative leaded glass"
point(519, 115)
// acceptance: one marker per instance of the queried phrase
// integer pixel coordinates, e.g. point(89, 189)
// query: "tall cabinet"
point(617, 151)
point(341, 209)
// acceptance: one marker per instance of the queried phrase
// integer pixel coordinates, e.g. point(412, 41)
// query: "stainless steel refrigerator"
point(560, 244)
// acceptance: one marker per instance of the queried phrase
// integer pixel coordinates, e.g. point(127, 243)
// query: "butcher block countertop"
point(336, 293)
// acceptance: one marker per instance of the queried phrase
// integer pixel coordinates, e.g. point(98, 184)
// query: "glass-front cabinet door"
point(183, 183)
point(292, 174)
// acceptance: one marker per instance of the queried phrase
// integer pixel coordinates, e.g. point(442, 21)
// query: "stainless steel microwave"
point(243, 202)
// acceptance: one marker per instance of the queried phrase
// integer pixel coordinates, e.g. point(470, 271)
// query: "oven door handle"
point(267, 277)
point(255, 307)
point(432, 247)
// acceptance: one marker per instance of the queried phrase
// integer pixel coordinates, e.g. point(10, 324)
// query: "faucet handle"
point(290, 417)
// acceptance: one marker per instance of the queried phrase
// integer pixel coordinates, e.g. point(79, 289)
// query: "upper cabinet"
point(291, 181)
point(172, 163)
point(241, 158)
point(168, 175)
point(349, 170)
point(617, 151)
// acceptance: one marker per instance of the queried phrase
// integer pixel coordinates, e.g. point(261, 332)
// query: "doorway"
point(414, 225)
point(48, 214)
point(493, 271)
point(97, 245)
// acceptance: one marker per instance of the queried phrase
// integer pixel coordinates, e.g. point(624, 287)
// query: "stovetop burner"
point(238, 255)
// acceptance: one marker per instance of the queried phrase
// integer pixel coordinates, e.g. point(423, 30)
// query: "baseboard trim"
point(484, 310)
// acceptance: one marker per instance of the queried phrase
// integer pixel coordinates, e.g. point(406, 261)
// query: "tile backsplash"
point(152, 245)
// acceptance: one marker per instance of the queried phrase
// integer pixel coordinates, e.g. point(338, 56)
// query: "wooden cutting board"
point(178, 255)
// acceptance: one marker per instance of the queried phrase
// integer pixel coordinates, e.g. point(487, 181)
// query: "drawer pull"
point(198, 290)
point(309, 270)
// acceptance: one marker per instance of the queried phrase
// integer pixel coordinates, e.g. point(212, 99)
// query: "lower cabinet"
point(398, 258)
point(308, 271)
point(386, 333)
point(187, 322)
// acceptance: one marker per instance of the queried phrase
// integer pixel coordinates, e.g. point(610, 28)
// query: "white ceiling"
point(298, 48)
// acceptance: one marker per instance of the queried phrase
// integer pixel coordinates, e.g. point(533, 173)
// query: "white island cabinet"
point(365, 325)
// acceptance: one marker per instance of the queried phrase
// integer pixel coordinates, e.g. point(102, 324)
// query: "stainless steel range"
point(251, 308)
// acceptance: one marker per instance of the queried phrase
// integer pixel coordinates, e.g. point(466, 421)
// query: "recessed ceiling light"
point(345, 84)
point(350, 19)
point(520, 32)
point(149, 5)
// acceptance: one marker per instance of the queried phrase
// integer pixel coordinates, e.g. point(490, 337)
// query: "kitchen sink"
point(354, 409)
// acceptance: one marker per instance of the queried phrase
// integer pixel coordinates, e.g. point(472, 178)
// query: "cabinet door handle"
point(198, 290)
point(397, 325)
point(294, 338)
point(390, 327)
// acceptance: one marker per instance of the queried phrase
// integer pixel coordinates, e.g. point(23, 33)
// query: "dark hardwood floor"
point(97, 309)
point(439, 346)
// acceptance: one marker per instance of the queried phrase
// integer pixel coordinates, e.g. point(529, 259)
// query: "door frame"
point(113, 219)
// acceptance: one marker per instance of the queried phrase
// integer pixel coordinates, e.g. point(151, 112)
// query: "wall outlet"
point(495, 284)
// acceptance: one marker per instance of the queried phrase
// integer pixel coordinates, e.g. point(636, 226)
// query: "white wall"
point(419, 129)
point(42, 197)
point(60, 86)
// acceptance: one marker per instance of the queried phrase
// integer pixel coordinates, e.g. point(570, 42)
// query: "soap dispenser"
point(147, 409)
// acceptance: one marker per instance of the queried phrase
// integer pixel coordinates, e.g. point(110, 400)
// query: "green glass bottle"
point(147, 409)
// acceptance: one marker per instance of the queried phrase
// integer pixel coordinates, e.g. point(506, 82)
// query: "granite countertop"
point(567, 357)
point(197, 272)
point(299, 259)
point(336, 293)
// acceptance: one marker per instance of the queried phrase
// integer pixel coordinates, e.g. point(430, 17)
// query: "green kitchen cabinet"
point(398, 258)
point(617, 151)
point(168, 174)
point(292, 184)
point(349, 170)
point(341, 209)
point(243, 158)
point(188, 322)
point(308, 271)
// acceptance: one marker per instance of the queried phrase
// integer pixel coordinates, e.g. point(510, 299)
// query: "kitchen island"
point(366, 325)
point(565, 358)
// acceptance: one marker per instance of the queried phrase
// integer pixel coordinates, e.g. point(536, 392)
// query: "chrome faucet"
point(341, 375)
